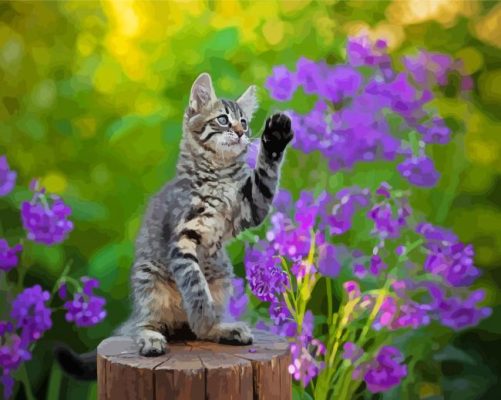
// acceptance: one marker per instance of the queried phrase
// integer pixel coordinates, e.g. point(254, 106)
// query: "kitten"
point(182, 277)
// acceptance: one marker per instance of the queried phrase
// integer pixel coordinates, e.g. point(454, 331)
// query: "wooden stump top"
point(195, 370)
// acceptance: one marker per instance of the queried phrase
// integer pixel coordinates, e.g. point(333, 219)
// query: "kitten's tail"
point(79, 366)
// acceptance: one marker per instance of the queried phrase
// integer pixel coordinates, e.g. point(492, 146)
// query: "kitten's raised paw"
point(277, 133)
point(151, 343)
point(235, 333)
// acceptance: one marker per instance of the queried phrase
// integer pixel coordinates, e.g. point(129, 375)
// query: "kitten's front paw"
point(277, 133)
point(151, 343)
point(202, 317)
point(235, 333)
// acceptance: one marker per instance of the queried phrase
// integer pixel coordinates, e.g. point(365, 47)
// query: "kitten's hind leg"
point(151, 343)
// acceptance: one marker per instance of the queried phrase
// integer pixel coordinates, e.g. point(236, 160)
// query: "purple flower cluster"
point(31, 312)
point(430, 69)
point(9, 255)
point(447, 257)
point(13, 352)
point(46, 219)
point(31, 318)
point(7, 177)
point(385, 371)
point(85, 309)
point(390, 101)
point(447, 298)
point(352, 352)
point(291, 237)
point(305, 352)
point(264, 274)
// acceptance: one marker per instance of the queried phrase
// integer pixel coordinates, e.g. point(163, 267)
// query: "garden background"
point(92, 97)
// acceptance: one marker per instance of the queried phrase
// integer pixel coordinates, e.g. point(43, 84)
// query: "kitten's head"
point(219, 126)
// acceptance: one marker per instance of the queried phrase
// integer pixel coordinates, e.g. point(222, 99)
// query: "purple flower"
point(386, 313)
point(7, 177)
point(385, 371)
point(376, 265)
point(328, 264)
point(341, 82)
point(361, 51)
point(435, 131)
point(436, 235)
point(13, 352)
point(359, 270)
point(305, 364)
point(284, 324)
point(352, 289)
point(384, 190)
point(283, 201)
point(252, 153)
point(8, 256)
point(86, 309)
point(287, 239)
point(281, 84)
point(385, 224)
point(454, 263)
point(264, 274)
point(279, 312)
point(308, 74)
point(349, 201)
point(239, 300)
point(352, 352)
point(456, 312)
point(62, 291)
point(428, 69)
point(419, 171)
point(46, 222)
point(411, 315)
point(31, 313)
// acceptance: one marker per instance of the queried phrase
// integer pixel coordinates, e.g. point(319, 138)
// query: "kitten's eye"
point(243, 122)
point(223, 120)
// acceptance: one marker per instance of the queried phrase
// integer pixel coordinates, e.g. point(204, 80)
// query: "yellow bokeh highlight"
point(273, 31)
point(472, 59)
point(428, 389)
point(490, 86)
point(488, 28)
point(392, 34)
point(54, 182)
point(124, 17)
point(482, 151)
point(407, 12)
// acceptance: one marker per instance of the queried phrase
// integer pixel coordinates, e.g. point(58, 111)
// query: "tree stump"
point(194, 370)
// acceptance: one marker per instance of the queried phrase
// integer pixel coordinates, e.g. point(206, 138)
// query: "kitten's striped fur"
point(181, 276)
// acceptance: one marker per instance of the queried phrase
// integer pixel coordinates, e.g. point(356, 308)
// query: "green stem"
point(23, 267)
point(54, 382)
point(23, 376)
point(328, 285)
point(63, 277)
point(345, 386)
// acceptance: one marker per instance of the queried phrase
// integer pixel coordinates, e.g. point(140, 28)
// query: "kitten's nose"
point(237, 128)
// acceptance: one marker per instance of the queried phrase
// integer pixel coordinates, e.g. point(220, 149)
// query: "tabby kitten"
point(182, 276)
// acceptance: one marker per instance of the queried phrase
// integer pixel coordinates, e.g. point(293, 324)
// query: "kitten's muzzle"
point(238, 129)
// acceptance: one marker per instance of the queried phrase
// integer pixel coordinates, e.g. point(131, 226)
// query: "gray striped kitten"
point(182, 276)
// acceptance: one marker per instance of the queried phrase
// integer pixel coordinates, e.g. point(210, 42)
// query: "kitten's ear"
point(248, 101)
point(202, 93)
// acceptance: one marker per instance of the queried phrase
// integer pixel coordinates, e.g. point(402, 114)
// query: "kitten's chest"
point(221, 196)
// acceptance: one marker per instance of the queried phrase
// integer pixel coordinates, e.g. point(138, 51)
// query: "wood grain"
point(195, 370)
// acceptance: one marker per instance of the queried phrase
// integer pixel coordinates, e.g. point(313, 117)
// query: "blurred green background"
point(92, 97)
